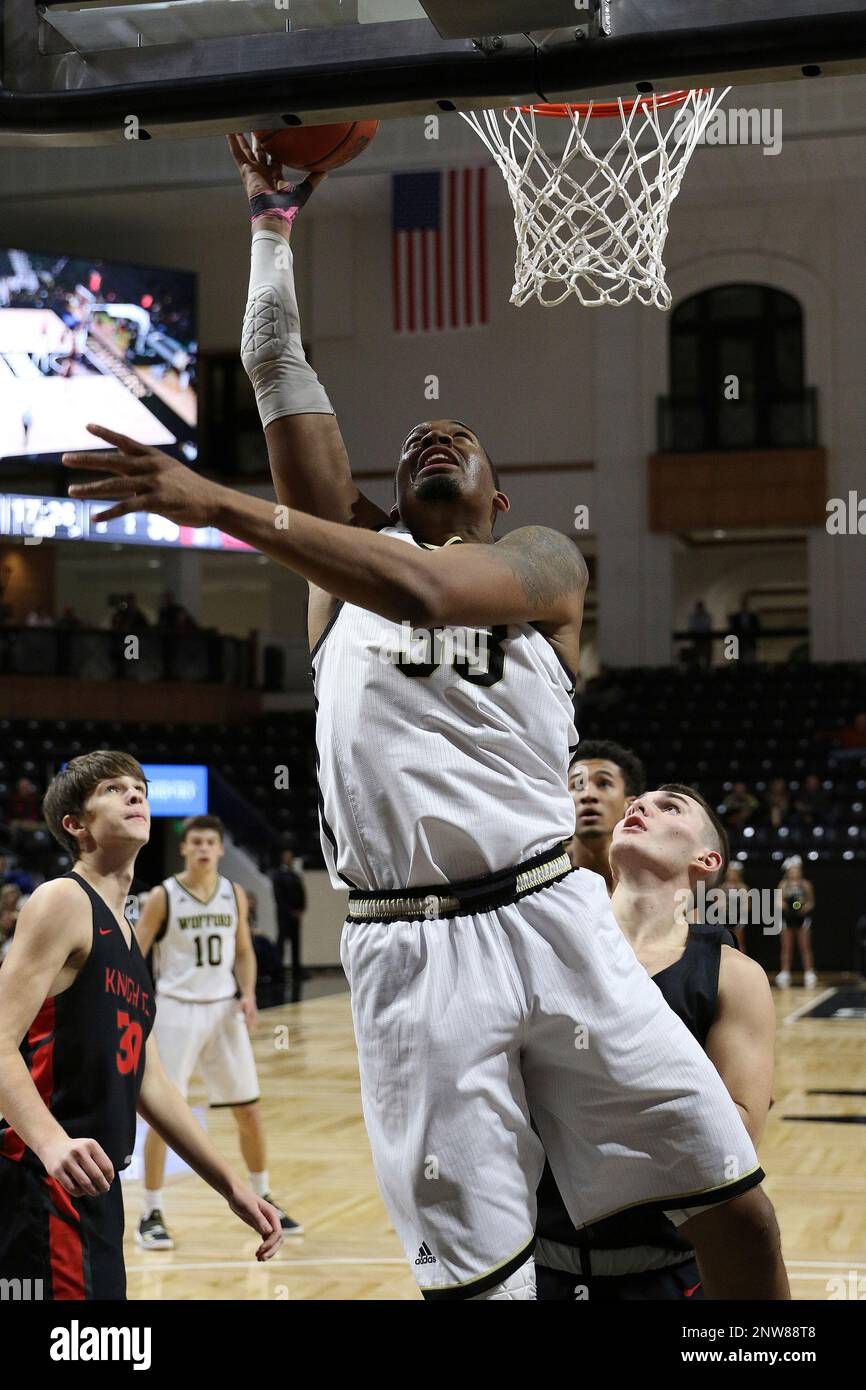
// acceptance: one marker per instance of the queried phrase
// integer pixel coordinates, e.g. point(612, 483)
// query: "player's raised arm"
point(308, 459)
point(532, 575)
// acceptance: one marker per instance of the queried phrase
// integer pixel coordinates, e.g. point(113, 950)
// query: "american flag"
point(438, 250)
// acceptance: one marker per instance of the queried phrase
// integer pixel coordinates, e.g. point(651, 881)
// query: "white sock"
point(259, 1183)
point(152, 1201)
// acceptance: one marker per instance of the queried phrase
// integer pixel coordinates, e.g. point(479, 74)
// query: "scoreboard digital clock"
point(35, 519)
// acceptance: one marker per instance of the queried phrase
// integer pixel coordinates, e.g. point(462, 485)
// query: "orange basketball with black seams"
point(318, 148)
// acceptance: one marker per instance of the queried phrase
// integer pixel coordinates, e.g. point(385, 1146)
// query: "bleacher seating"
point(706, 727)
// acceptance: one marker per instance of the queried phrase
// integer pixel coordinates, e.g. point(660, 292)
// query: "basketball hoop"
point(595, 225)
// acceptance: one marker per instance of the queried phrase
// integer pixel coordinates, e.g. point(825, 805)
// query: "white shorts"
point(212, 1037)
point(466, 1026)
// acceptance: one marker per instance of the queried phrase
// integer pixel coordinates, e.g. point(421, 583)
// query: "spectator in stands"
point(291, 899)
point(739, 806)
point(701, 625)
point(69, 618)
point(10, 895)
point(128, 617)
point(7, 931)
point(173, 615)
point(853, 736)
point(746, 625)
point(10, 899)
point(10, 873)
point(797, 903)
point(737, 916)
point(24, 812)
point(811, 802)
point(169, 611)
point(778, 803)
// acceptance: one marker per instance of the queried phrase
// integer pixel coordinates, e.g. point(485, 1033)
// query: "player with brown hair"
point(77, 1056)
point(666, 844)
point(197, 922)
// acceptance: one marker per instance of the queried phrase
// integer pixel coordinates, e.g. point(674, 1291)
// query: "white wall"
point(323, 920)
point(721, 575)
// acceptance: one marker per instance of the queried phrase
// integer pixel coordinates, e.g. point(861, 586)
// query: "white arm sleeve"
point(271, 348)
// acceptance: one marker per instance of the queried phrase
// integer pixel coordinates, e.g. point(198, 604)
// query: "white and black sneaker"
point(152, 1233)
point(289, 1227)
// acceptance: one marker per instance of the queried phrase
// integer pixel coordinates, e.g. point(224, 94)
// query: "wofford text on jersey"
point(206, 919)
point(127, 988)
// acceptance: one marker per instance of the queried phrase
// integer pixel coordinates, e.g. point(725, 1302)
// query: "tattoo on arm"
point(548, 565)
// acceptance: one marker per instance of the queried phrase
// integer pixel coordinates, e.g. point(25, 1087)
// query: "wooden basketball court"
point(320, 1166)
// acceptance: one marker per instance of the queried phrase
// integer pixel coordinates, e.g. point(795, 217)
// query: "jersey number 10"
point(212, 948)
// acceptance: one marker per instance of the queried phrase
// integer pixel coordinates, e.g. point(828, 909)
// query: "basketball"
point(318, 148)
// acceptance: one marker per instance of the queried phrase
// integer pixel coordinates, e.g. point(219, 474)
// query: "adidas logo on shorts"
point(425, 1255)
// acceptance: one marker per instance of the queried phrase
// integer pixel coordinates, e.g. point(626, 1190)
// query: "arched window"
point(736, 373)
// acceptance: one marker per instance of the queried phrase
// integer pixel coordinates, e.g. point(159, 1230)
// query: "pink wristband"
point(285, 214)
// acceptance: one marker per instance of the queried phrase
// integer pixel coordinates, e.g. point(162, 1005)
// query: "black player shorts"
point(66, 1247)
point(672, 1282)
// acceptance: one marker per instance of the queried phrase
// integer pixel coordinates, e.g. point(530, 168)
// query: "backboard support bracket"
point(389, 69)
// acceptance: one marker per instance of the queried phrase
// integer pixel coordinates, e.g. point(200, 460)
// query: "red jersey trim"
point(40, 1043)
point(65, 1249)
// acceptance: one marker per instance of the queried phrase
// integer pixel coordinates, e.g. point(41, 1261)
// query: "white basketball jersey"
point(195, 956)
point(441, 756)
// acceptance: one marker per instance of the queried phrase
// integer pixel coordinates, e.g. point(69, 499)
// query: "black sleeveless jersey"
point(691, 987)
point(85, 1048)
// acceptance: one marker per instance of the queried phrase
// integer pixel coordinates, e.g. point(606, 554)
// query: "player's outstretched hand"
point(262, 174)
point(147, 479)
point(259, 1214)
point(81, 1166)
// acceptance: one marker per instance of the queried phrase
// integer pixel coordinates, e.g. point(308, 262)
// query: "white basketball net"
point(595, 225)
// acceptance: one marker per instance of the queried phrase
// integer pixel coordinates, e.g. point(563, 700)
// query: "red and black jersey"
point(85, 1050)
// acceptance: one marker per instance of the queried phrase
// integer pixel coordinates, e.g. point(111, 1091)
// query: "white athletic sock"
point(152, 1201)
point(259, 1183)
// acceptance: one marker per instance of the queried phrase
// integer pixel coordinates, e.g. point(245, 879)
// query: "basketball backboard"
point(76, 71)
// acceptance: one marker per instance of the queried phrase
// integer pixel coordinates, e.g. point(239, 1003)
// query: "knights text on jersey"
point(442, 755)
point(195, 955)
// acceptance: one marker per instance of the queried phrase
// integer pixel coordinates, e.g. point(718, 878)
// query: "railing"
point(785, 420)
point(200, 656)
point(698, 647)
